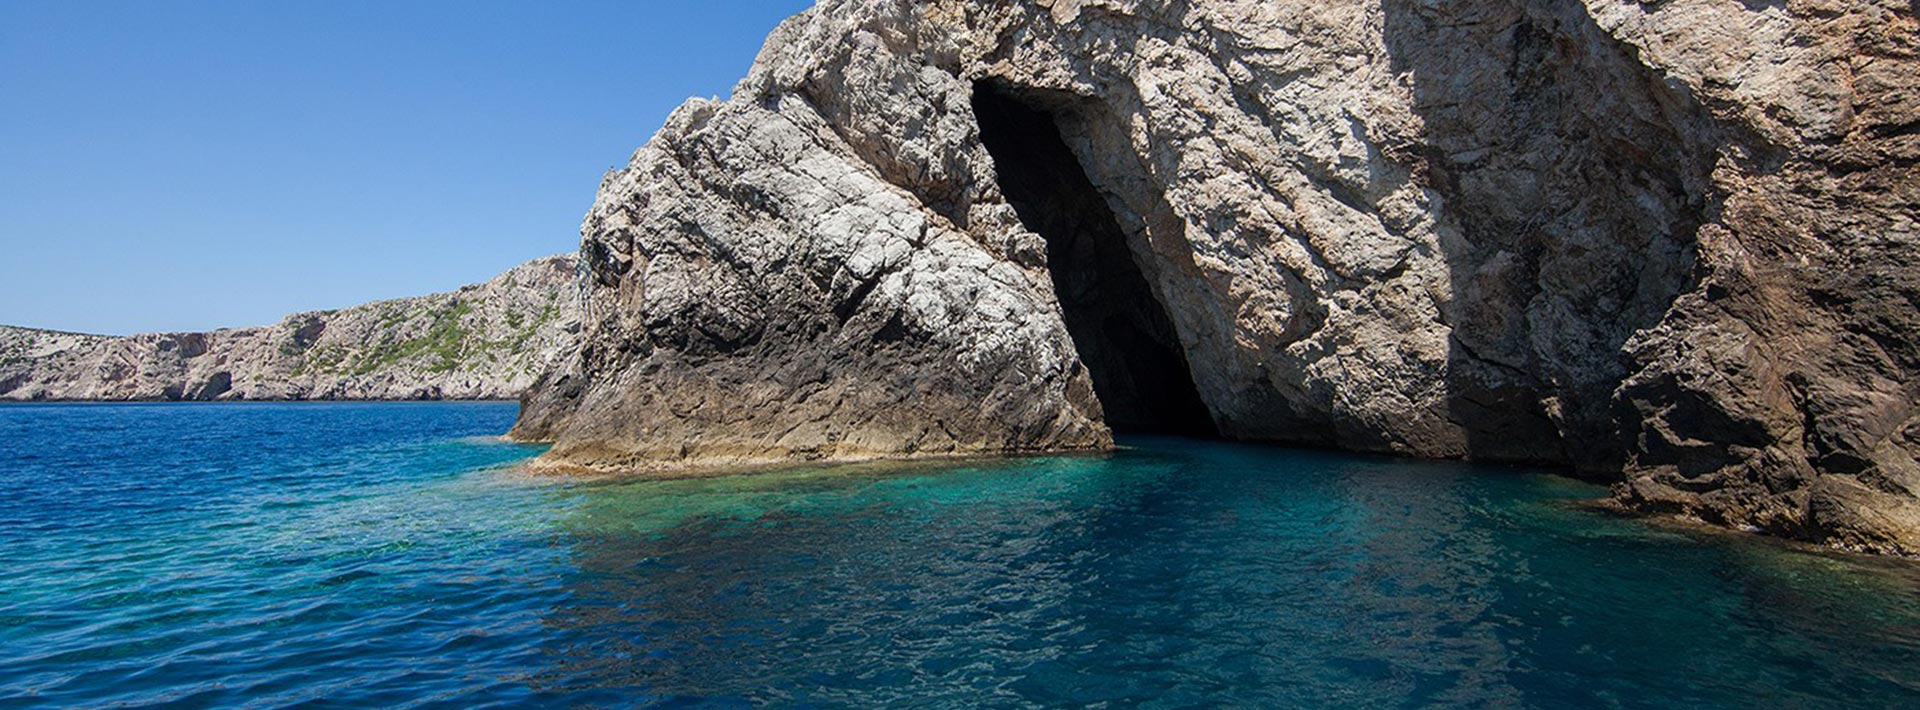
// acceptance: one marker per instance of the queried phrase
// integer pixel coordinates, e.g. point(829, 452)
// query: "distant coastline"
point(484, 342)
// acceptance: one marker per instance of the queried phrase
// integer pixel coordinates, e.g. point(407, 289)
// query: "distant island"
point(484, 341)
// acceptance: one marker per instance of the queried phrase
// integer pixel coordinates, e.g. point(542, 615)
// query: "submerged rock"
point(485, 341)
point(1668, 244)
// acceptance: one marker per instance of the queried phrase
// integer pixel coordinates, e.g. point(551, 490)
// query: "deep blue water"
point(376, 555)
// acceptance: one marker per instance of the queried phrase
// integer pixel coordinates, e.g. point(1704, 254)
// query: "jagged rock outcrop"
point(485, 341)
point(1671, 244)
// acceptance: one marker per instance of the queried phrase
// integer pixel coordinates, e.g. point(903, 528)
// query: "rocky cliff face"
point(486, 341)
point(1670, 244)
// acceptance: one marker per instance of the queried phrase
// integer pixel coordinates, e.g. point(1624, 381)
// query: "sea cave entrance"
point(1121, 329)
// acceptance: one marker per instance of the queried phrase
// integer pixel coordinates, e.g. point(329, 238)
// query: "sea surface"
point(390, 555)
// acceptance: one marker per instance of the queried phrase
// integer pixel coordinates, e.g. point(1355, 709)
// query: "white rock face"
point(1668, 244)
point(486, 341)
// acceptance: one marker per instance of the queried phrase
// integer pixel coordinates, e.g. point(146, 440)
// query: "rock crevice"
point(1120, 329)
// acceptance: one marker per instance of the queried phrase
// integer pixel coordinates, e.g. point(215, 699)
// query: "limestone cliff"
point(486, 341)
point(1670, 244)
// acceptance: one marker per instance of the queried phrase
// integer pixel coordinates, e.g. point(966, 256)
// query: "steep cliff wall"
point(1667, 244)
point(486, 341)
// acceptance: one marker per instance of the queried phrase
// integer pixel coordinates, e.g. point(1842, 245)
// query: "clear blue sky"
point(191, 165)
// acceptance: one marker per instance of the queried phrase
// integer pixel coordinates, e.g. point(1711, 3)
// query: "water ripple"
point(378, 555)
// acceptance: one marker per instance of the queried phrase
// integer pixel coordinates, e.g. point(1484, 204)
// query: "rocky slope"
point(1669, 244)
point(486, 341)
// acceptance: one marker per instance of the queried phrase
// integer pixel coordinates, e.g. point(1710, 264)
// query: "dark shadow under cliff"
point(1121, 330)
point(1574, 182)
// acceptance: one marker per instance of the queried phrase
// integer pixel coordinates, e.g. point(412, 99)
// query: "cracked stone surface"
point(1668, 244)
point(485, 341)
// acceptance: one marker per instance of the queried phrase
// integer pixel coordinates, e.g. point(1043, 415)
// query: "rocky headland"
point(485, 341)
point(1671, 245)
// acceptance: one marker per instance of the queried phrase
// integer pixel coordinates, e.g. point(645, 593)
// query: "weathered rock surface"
point(486, 341)
point(1671, 244)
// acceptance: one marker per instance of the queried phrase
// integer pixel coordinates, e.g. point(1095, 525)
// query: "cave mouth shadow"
point(1121, 329)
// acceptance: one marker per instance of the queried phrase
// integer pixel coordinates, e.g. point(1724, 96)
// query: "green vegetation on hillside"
point(447, 345)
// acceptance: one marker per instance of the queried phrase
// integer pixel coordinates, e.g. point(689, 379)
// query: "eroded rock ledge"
point(1669, 244)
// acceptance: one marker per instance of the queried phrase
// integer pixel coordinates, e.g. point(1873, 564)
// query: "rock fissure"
point(1119, 327)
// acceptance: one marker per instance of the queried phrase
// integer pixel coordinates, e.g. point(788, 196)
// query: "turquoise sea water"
point(386, 555)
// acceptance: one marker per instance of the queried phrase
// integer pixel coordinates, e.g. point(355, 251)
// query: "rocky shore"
point(1670, 245)
point(485, 341)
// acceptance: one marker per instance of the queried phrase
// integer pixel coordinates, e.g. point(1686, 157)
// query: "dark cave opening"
point(1122, 331)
